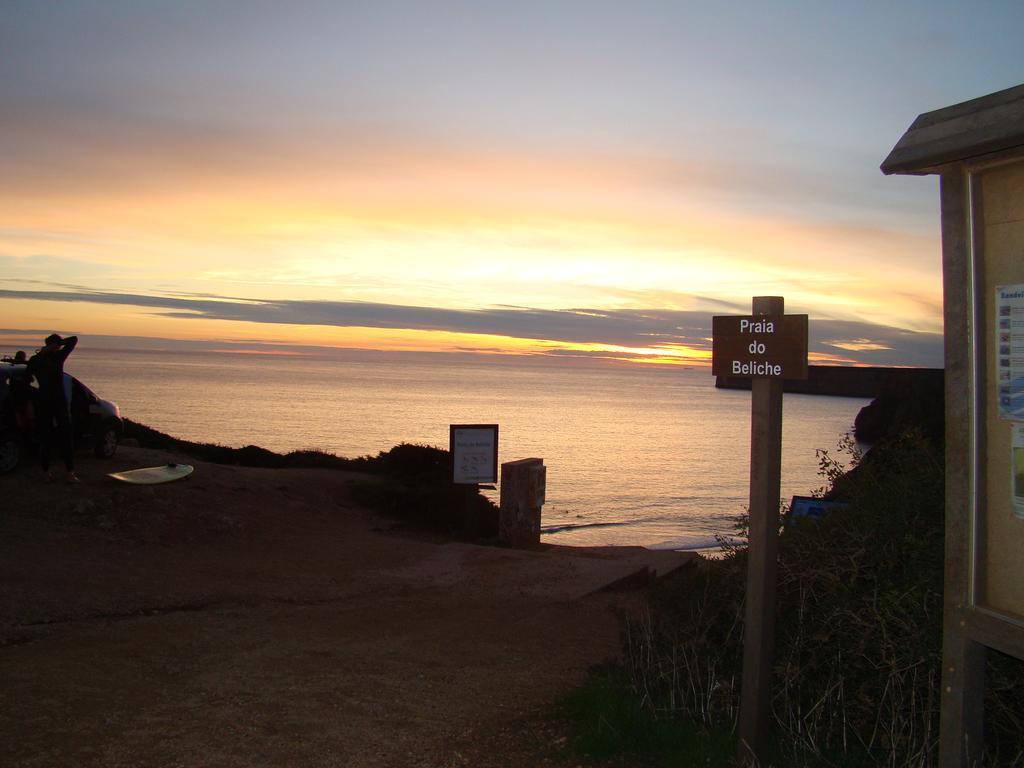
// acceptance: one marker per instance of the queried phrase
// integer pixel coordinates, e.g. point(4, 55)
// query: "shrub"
point(416, 486)
point(858, 627)
point(856, 678)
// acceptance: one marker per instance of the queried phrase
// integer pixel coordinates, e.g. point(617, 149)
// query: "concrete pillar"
point(522, 496)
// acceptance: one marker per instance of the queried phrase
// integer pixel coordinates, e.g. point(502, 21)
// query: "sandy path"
point(258, 617)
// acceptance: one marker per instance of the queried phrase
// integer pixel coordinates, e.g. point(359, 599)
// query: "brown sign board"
point(759, 346)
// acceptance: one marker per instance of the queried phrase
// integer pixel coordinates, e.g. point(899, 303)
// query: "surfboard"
point(153, 475)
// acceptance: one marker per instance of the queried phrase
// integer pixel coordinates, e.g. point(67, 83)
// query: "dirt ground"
point(248, 617)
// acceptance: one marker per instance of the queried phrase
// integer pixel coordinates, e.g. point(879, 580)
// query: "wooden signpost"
point(768, 346)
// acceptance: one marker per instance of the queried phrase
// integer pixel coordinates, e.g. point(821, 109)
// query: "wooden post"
point(759, 628)
point(963, 659)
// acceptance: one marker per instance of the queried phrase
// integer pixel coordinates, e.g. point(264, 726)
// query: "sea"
point(635, 454)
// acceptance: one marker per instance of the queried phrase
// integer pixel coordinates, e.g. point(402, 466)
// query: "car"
point(94, 421)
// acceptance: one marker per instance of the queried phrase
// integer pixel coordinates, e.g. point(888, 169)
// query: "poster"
point(1009, 357)
point(474, 450)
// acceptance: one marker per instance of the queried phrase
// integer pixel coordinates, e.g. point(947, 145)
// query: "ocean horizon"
point(640, 455)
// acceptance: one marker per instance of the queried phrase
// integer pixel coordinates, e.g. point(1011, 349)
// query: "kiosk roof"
point(977, 127)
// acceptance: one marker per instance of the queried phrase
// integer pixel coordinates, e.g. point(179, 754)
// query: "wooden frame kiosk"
point(977, 149)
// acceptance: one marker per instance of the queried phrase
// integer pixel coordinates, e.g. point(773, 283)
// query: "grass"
point(611, 723)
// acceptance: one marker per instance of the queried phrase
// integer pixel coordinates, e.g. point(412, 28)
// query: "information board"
point(999, 244)
point(474, 452)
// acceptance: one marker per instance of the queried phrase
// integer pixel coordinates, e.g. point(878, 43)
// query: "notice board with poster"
point(999, 246)
point(976, 148)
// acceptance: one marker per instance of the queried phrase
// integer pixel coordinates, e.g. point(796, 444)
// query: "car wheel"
point(10, 450)
point(107, 439)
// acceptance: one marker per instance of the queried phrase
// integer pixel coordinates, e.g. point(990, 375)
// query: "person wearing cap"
point(52, 416)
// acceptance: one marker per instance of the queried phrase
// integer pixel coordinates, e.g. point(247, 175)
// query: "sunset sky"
point(576, 179)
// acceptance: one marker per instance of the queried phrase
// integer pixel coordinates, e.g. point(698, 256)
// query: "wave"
point(673, 520)
point(693, 543)
point(697, 541)
point(580, 526)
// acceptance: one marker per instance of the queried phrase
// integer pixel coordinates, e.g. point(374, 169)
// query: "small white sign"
point(474, 450)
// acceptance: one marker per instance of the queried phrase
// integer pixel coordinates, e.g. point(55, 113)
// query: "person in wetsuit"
point(52, 417)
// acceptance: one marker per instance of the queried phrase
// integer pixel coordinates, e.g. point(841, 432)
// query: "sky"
point(576, 180)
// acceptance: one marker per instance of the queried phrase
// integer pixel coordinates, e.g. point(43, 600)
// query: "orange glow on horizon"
point(261, 352)
point(104, 320)
point(655, 360)
point(448, 228)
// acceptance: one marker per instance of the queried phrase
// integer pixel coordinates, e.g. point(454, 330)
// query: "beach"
point(260, 617)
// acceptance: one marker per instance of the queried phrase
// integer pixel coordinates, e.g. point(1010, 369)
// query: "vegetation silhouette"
point(410, 483)
point(857, 674)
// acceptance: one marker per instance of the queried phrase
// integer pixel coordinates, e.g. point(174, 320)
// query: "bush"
point(416, 486)
point(858, 630)
point(856, 678)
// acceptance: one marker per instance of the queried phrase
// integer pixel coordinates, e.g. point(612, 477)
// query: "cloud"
point(49, 270)
point(860, 342)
